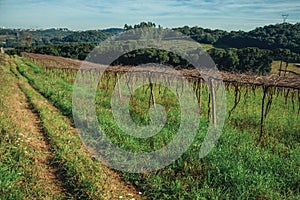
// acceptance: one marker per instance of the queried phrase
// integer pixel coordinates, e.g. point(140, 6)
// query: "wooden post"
point(214, 107)
point(280, 67)
point(298, 102)
point(200, 94)
point(209, 100)
point(265, 90)
point(152, 97)
point(213, 101)
point(119, 86)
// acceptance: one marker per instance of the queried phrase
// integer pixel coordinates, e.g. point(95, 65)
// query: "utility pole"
point(284, 17)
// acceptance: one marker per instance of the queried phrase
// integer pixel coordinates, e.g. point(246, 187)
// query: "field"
point(42, 156)
point(293, 68)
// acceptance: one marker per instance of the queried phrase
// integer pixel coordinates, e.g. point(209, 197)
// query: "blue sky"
point(99, 14)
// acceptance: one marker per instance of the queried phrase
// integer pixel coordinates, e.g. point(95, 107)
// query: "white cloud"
point(81, 14)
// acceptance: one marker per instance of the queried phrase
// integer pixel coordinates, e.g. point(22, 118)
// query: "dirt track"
point(48, 176)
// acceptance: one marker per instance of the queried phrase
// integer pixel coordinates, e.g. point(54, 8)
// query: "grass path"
point(59, 165)
point(28, 121)
point(38, 178)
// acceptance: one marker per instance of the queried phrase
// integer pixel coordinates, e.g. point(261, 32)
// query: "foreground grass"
point(18, 172)
point(82, 174)
point(237, 168)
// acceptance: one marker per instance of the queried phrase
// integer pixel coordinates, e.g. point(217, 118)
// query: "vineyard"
point(256, 156)
point(287, 87)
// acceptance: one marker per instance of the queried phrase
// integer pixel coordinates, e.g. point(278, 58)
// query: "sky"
point(99, 14)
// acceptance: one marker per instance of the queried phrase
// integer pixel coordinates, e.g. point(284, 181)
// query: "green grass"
point(81, 173)
point(237, 168)
point(18, 178)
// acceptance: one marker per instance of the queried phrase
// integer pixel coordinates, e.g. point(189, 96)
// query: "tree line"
point(278, 36)
point(32, 38)
point(242, 57)
point(238, 60)
point(70, 50)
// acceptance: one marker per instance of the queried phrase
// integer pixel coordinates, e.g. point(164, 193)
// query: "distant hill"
point(236, 51)
point(285, 36)
point(113, 30)
point(91, 36)
point(11, 38)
